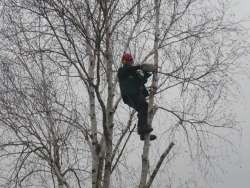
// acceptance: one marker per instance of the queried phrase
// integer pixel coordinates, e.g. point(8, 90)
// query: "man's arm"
point(131, 68)
point(148, 67)
point(126, 70)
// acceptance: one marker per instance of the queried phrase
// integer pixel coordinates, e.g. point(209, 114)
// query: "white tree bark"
point(108, 127)
point(146, 147)
point(92, 111)
point(79, 35)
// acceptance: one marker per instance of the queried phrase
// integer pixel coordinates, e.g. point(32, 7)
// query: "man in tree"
point(133, 91)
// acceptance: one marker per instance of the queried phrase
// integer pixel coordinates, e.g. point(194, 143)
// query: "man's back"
point(130, 81)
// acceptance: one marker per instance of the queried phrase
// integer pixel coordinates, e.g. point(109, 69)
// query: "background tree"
point(60, 104)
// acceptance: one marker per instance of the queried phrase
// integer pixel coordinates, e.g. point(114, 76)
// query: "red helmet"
point(127, 59)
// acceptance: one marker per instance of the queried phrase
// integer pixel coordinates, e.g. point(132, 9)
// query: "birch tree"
point(61, 109)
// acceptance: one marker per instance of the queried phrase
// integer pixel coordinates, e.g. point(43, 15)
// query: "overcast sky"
point(237, 172)
point(235, 168)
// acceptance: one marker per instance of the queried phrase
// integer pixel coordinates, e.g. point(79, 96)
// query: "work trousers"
point(139, 103)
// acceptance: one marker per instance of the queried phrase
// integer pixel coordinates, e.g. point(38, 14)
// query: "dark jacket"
point(132, 81)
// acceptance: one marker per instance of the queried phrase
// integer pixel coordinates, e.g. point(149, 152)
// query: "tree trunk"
point(92, 112)
point(109, 123)
point(146, 147)
point(108, 128)
point(60, 184)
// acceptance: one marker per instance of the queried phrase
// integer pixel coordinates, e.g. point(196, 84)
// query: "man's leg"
point(143, 126)
point(136, 102)
point(139, 103)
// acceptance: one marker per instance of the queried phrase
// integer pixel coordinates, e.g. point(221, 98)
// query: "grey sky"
point(237, 165)
point(237, 171)
point(235, 168)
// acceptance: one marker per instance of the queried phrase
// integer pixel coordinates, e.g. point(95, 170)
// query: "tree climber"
point(133, 91)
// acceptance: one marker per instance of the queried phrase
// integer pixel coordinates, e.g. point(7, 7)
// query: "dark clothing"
point(131, 81)
point(138, 102)
point(134, 92)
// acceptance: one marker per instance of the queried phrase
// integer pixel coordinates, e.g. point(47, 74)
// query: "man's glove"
point(148, 67)
point(140, 72)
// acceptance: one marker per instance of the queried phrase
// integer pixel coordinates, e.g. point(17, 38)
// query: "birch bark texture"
point(62, 120)
point(145, 154)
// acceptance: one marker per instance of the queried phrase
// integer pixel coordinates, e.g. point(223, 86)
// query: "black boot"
point(142, 131)
point(151, 137)
point(146, 130)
